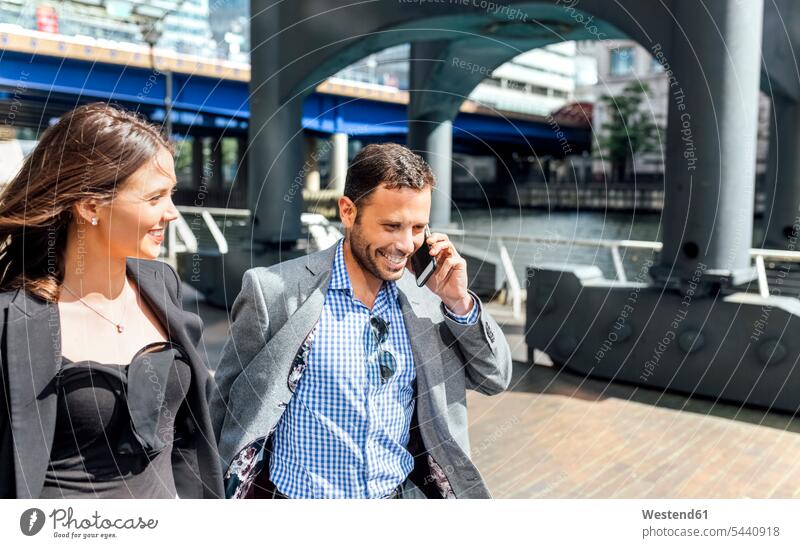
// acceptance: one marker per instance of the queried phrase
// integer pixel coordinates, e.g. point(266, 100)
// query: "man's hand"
point(449, 280)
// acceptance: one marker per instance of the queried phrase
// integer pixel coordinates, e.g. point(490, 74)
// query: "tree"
point(630, 129)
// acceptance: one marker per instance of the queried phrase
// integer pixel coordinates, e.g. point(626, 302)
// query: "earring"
point(94, 221)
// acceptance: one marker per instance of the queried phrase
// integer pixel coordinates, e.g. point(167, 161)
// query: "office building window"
point(538, 90)
point(656, 66)
point(515, 85)
point(622, 61)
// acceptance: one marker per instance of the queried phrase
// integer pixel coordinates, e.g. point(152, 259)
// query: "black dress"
point(115, 426)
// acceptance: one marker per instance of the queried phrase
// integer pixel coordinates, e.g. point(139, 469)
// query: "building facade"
point(621, 63)
point(185, 28)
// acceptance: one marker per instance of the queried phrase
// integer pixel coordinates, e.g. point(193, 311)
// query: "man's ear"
point(84, 211)
point(347, 212)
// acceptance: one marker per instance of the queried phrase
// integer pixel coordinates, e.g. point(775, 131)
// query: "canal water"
point(564, 225)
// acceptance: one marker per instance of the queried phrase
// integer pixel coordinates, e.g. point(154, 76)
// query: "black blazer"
point(30, 354)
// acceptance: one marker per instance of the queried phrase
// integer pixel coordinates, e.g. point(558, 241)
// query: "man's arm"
point(248, 335)
point(488, 365)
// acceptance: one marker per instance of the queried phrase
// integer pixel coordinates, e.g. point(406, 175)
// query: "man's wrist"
point(461, 307)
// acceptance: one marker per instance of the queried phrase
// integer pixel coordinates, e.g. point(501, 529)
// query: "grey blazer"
point(263, 360)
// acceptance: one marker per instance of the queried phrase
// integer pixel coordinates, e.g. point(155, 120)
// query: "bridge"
point(43, 75)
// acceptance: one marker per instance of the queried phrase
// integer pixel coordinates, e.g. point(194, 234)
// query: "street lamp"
point(149, 17)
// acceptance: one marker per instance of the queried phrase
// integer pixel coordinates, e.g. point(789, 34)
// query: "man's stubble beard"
point(360, 250)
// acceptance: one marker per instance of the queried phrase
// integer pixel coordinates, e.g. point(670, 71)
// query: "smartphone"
point(422, 262)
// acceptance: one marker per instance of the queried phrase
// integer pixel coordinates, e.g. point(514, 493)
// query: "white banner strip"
point(399, 523)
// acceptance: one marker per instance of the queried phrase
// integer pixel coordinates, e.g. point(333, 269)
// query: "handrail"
point(513, 282)
point(221, 211)
point(761, 272)
point(208, 214)
point(619, 268)
point(759, 254)
point(775, 254)
point(179, 227)
point(637, 244)
point(216, 233)
point(185, 232)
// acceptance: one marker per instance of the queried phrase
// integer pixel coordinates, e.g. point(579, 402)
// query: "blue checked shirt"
point(344, 433)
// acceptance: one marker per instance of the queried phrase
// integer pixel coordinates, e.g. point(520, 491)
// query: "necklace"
point(118, 325)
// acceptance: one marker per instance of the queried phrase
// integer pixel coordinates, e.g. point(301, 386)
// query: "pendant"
point(120, 329)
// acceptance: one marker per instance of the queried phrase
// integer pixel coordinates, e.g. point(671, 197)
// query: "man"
point(342, 378)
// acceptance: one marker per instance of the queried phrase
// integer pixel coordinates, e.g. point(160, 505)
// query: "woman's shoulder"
point(145, 267)
point(7, 296)
point(153, 265)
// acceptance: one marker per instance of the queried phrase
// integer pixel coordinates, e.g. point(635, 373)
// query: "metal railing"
point(776, 255)
point(759, 255)
point(181, 239)
point(514, 288)
point(207, 215)
point(218, 211)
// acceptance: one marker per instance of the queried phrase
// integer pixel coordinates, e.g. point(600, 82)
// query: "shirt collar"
point(339, 277)
point(341, 280)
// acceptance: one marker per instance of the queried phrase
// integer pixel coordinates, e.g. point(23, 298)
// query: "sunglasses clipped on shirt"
point(386, 360)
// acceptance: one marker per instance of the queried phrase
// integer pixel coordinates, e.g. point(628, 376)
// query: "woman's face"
point(135, 222)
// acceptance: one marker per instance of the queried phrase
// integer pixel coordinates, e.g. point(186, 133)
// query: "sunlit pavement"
point(555, 434)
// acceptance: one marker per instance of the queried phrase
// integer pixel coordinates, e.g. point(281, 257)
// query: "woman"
point(103, 390)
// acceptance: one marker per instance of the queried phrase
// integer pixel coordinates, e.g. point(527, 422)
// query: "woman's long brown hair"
point(87, 155)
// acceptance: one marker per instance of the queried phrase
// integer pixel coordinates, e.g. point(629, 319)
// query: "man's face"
point(388, 226)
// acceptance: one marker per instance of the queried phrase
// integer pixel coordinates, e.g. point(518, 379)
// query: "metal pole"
point(168, 103)
point(339, 159)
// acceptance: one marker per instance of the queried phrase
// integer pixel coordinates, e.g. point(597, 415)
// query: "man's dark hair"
point(389, 164)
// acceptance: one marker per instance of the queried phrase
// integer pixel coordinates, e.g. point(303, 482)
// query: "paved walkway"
point(558, 435)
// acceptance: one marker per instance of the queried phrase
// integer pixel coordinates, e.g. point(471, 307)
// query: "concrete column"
point(711, 143)
point(311, 165)
point(433, 140)
point(197, 163)
point(216, 165)
point(275, 155)
point(241, 163)
point(781, 217)
point(238, 194)
point(430, 131)
point(339, 161)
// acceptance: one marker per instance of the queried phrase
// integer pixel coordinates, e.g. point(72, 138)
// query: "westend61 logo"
point(65, 525)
